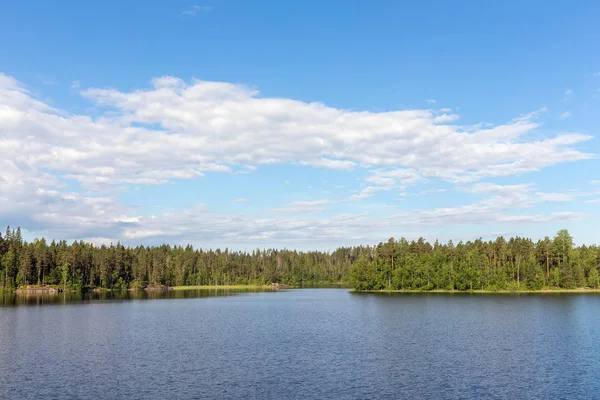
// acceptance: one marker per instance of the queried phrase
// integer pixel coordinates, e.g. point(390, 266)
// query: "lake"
point(309, 343)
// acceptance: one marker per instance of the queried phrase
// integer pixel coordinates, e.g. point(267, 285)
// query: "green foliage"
point(535, 283)
point(65, 274)
point(364, 276)
point(513, 264)
point(593, 279)
point(121, 284)
point(8, 265)
point(555, 277)
point(82, 265)
point(516, 264)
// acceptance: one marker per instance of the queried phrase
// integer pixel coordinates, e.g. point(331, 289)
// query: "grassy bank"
point(549, 290)
point(221, 287)
point(55, 288)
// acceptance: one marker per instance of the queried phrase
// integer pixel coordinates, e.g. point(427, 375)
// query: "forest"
point(81, 265)
point(513, 264)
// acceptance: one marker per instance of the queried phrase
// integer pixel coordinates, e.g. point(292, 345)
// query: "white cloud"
point(596, 74)
point(180, 131)
point(390, 177)
point(200, 226)
point(556, 197)
point(194, 10)
point(328, 163)
point(522, 195)
point(177, 130)
point(565, 115)
point(239, 200)
point(568, 95)
point(423, 192)
point(75, 84)
point(594, 182)
point(302, 207)
point(504, 196)
point(492, 188)
point(369, 191)
point(431, 101)
point(75, 216)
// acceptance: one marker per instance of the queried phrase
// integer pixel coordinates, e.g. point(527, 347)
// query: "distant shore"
point(56, 289)
point(272, 286)
point(549, 290)
point(221, 287)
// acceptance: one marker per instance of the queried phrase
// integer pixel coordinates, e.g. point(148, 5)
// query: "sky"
point(299, 124)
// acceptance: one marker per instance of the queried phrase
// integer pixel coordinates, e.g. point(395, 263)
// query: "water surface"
point(319, 343)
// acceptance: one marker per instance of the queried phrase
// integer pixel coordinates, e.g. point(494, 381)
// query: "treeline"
point(514, 264)
point(81, 265)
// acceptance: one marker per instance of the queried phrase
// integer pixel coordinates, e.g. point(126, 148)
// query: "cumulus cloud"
point(298, 229)
point(176, 130)
point(390, 177)
point(329, 163)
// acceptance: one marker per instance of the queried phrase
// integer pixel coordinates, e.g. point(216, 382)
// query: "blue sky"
point(299, 124)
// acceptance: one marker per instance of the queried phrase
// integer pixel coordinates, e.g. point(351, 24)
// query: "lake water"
point(310, 343)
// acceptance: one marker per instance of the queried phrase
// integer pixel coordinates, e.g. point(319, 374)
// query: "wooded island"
point(513, 264)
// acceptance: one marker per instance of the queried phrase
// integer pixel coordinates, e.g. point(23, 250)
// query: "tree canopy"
point(513, 264)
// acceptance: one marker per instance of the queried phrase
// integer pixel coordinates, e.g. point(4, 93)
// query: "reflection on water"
point(549, 293)
point(8, 299)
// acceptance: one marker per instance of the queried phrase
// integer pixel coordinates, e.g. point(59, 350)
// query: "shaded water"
point(72, 298)
point(323, 343)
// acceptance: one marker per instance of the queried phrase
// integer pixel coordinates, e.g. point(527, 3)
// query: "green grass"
point(548, 290)
point(198, 287)
point(221, 287)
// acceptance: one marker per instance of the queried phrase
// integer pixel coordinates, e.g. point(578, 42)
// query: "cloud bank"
point(176, 130)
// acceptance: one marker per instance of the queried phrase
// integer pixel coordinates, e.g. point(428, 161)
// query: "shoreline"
point(479, 291)
point(55, 289)
point(221, 287)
